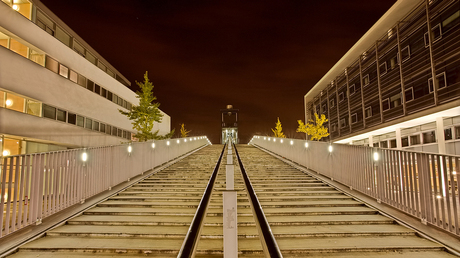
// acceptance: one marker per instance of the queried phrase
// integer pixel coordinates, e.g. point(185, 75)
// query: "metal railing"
point(424, 185)
point(266, 236)
point(35, 186)
point(190, 243)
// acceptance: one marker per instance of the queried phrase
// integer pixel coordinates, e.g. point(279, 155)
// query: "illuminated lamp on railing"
point(306, 144)
point(281, 140)
point(153, 145)
point(269, 139)
point(376, 156)
point(292, 142)
point(185, 140)
point(265, 138)
point(274, 140)
point(178, 141)
point(330, 148)
point(167, 143)
point(130, 149)
point(84, 156)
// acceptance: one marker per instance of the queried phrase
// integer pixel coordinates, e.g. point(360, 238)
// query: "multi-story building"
point(381, 93)
point(56, 92)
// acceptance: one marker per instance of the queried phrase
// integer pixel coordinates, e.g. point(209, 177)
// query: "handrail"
point(264, 227)
point(190, 243)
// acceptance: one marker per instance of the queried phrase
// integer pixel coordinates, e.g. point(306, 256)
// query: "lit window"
point(37, 57)
point(63, 71)
point(33, 107)
point(81, 80)
point(14, 102)
point(18, 47)
point(73, 76)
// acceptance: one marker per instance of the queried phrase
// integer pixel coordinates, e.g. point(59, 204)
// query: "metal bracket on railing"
point(129, 179)
point(38, 222)
point(379, 200)
point(351, 188)
point(82, 201)
point(110, 188)
point(424, 222)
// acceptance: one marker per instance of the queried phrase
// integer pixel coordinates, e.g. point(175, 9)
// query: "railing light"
point(376, 156)
point(330, 148)
point(167, 143)
point(306, 144)
point(438, 196)
point(265, 138)
point(281, 140)
point(274, 140)
point(178, 141)
point(292, 142)
point(130, 148)
point(153, 145)
point(185, 140)
point(269, 139)
point(84, 156)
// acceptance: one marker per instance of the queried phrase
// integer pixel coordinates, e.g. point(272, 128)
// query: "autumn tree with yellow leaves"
point(314, 128)
point(183, 131)
point(278, 131)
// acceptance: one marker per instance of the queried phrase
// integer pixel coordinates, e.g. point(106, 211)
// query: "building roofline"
point(396, 13)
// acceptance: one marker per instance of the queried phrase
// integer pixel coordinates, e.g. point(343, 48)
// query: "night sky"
point(260, 56)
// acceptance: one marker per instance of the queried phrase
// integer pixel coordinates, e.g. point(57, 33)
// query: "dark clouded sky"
point(260, 56)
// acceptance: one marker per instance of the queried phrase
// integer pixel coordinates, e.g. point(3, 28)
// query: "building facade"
point(57, 92)
point(381, 93)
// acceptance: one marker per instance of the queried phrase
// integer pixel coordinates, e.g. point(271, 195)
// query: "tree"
point(278, 131)
point(314, 128)
point(146, 113)
point(183, 132)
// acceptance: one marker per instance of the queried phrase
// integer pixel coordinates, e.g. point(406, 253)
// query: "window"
point(45, 23)
point(341, 96)
point(109, 95)
point(33, 107)
point(2, 98)
point(90, 85)
point(415, 139)
point(429, 137)
point(109, 72)
point(37, 56)
point(385, 104)
point(61, 115)
point(103, 92)
point(78, 48)
point(457, 132)
point(90, 57)
point(366, 80)
point(393, 143)
point(129, 106)
point(89, 123)
point(354, 118)
point(441, 82)
point(331, 103)
point(405, 141)
point(405, 53)
point(368, 112)
point(437, 34)
point(448, 134)
point(52, 64)
point(97, 89)
point(376, 144)
point(343, 123)
point(80, 121)
point(49, 111)
point(14, 102)
point(114, 130)
point(120, 101)
point(351, 89)
point(102, 128)
point(63, 71)
point(71, 118)
point(383, 69)
point(409, 94)
point(323, 107)
point(395, 100)
point(114, 98)
point(4, 40)
point(384, 144)
point(73, 76)
point(62, 36)
point(108, 129)
point(333, 127)
point(95, 126)
point(81, 80)
point(120, 133)
point(449, 22)
point(101, 66)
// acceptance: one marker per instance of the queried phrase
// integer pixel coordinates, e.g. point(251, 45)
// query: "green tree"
point(183, 131)
point(314, 128)
point(278, 131)
point(146, 113)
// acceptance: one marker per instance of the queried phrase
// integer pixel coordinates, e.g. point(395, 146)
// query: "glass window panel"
point(4, 40)
point(101, 65)
point(109, 95)
point(62, 36)
point(80, 121)
point(73, 76)
point(97, 89)
point(405, 141)
point(78, 48)
point(52, 64)
point(18, 47)
point(37, 57)
point(129, 106)
point(120, 101)
point(89, 123)
point(14, 102)
point(115, 98)
point(457, 132)
point(90, 85)
point(2, 98)
point(44, 19)
point(448, 134)
point(63, 71)
point(415, 139)
point(90, 57)
point(114, 130)
point(120, 133)
point(393, 143)
point(33, 107)
point(384, 144)
point(61, 115)
point(23, 7)
point(109, 72)
point(95, 126)
point(429, 137)
point(11, 146)
point(71, 118)
point(103, 92)
point(108, 129)
point(49, 111)
point(81, 80)
point(102, 128)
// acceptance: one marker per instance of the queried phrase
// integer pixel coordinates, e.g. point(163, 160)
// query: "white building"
point(56, 92)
